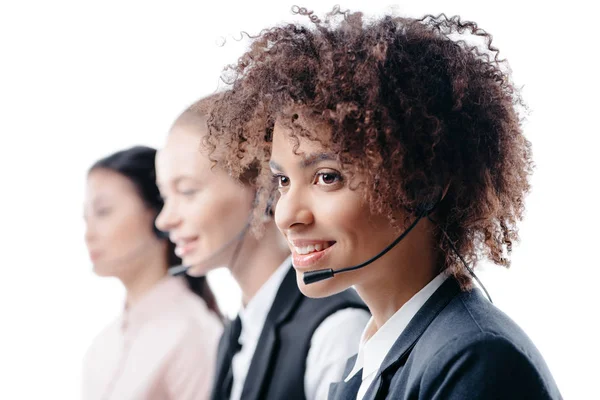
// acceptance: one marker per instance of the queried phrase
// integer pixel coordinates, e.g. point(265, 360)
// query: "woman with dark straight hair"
point(163, 346)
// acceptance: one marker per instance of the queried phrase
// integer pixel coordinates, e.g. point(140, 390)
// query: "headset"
point(423, 211)
point(238, 238)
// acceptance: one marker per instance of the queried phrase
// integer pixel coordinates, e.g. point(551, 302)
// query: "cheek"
point(120, 237)
point(220, 214)
point(126, 232)
point(343, 216)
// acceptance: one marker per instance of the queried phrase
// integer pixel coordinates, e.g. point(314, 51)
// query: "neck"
point(152, 269)
point(258, 260)
point(399, 275)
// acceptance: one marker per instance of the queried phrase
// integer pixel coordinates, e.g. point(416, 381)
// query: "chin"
point(317, 290)
point(103, 271)
point(199, 268)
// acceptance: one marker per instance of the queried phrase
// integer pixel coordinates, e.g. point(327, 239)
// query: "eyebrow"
point(177, 180)
point(308, 160)
point(99, 201)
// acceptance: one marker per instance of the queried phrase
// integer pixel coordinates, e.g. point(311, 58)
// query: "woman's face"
point(205, 209)
point(118, 225)
point(326, 223)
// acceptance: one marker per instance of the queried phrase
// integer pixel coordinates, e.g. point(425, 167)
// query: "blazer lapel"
point(221, 366)
point(346, 390)
point(287, 299)
point(410, 336)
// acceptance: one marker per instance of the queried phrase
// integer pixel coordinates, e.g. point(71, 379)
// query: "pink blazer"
point(164, 347)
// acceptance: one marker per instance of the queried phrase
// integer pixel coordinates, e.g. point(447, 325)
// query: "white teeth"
point(311, 248)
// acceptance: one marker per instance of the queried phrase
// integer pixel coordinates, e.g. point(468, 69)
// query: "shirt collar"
point(155, 299)
point(376, 343)
point(255, 313)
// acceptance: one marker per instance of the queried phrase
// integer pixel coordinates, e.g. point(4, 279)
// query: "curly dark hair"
point(409, 103)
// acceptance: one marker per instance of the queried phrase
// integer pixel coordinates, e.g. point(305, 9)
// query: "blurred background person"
point(282, 344)
point(163, 346)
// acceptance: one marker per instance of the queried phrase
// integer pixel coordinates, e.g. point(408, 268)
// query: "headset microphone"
point(423, 211)
point(178, 270)
point(182, 269)
point(322, 274)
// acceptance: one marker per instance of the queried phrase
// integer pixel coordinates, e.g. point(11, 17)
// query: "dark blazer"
point(277, 368)
point(458, 346)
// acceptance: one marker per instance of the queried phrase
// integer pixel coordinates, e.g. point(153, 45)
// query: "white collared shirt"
point(328, 351)
point(375, 344)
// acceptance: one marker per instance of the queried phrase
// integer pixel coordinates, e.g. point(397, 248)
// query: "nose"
point(293, 211)
point(167, 219)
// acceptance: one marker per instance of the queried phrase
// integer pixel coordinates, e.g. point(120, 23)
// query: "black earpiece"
point(269, 212)
point(426, 207)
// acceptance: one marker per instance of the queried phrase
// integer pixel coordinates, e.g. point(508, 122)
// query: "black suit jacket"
point(458, 346)
point(278, 366)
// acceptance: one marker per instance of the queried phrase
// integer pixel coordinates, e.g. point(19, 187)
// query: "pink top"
point(164, 347)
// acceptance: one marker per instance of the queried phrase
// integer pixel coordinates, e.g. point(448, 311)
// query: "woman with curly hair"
point(393, 143)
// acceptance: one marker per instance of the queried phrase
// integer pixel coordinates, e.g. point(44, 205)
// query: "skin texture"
point(208, 213)
point(318, 204)
point(119, 233)
point(412, 106)
point(204, 207)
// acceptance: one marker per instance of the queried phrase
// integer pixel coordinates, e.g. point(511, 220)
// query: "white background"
point(81, 79)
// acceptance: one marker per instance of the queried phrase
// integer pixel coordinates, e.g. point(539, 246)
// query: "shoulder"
point(474, 324)
point(491, 349)
point(108, 335)
point(476, 347)
point(469, 316)
point(487, 364)
point(188, 319)
point(191, 332)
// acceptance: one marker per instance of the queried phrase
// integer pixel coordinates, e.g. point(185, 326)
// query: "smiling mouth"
point(184, 247)
point(310, 255)
point(312, 248)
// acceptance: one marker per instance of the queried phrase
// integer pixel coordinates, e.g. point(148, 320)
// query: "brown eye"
point(281, 180)
point(328, 178)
